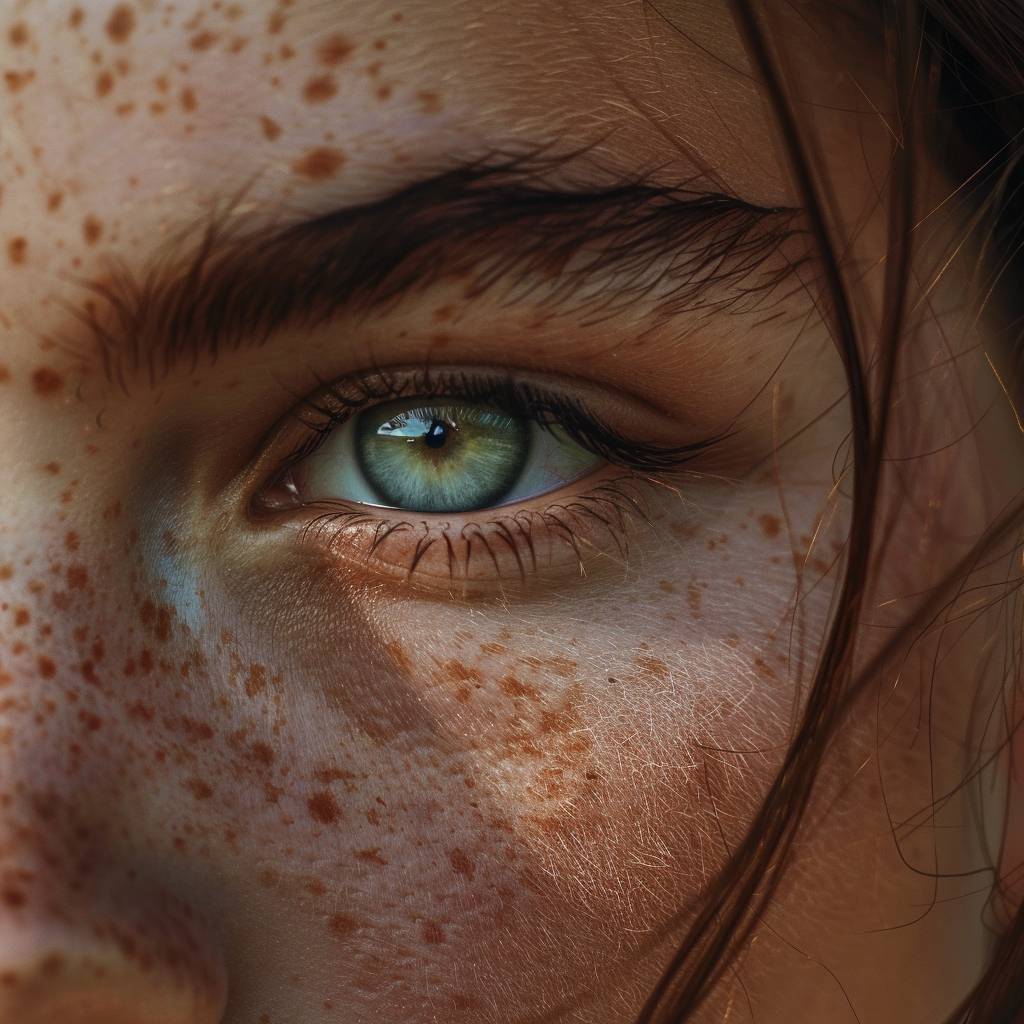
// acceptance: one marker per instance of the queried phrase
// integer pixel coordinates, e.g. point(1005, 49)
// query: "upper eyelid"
point(239, 286)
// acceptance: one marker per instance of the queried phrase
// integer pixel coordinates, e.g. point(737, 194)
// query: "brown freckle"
point(124, 109)
point(319, 164)
point(89, 720)
point(770, 525)
point(46, 381)
point(764, 669)
point(271, 129)
point(16, 80)
point(655, 666)
point(5, 374)
point(13, 898)
point(76, 17)
point(275, 23)
point(693, 597)
point(121, 23)
point(18, 34)
point(54, 200)
point(157, 108)
point(199, 789)
point(384, 92)
point(256, 681)
point(461, 864)
point(78, 577)
point(430, 102)
point(203, 41)
point(372, 856)
point(342, 925)
point(92, 230)
point(333, 50)
point(17, 249)
point(261, 754)
point(162, 629)
point(372, 816)
point(322, 807)
point(667, 586)
point(432, 932)
point(22, 617)
point(188, 100)
point(320, 88)
point(104, 83)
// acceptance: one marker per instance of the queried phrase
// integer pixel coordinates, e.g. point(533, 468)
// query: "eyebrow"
point(223, 285)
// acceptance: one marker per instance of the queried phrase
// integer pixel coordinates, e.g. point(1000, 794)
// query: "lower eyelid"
point(508, 548)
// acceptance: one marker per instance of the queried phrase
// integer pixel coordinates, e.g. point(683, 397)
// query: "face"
point(426, 485)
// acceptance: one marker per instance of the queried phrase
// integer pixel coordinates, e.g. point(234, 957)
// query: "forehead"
point(114, 105)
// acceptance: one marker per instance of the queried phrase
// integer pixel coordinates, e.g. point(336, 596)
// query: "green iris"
point(438, 456)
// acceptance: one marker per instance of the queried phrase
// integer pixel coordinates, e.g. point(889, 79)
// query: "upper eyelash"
point(341, 400)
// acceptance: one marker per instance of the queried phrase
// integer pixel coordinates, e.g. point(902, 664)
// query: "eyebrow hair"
point(490, 220)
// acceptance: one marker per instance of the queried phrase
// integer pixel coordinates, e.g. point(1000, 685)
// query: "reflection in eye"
point(438, 455)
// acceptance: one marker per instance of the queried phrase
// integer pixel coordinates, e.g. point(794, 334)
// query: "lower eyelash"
point(571, 536)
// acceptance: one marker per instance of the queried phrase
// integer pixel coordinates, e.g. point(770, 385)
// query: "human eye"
point(461, 476)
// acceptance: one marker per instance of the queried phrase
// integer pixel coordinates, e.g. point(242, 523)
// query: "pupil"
point(436, 436)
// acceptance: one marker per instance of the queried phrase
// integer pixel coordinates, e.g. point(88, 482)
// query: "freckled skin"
point(439, 808)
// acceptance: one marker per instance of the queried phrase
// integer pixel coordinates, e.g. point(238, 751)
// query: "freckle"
point(655, 666)
point(5, 374)
point(372, 856)
point(286, 52)
point(320, 88)
point(275, 23)
point(430, 102)
point(104, 83)
point(334, 50)
point(89, 720)
point(432, 932)
point(46, 381)
point(17, 249)
point(18, 34)
point(6, 572)
point(693, 597)
point(188, 100)
point(22, 617)
point(322, 807)
point(71, 541)
point(372, 817)
point(47, 668)
point(17, 80)
point(342, 925)
point(54, 200)
point(319, 164)
point(121, 23)
point(78, 577)
point(124, 109)
point(92, 229)
point(770, 525)
point(203, 41)
point(157, 108)
point(397, 17)
point(384, 92)
point(262, 754)
point(271, 129)
point(461, 864)
point(492, 648)
point(76, 17)
point(199, 789)
point(13, 898)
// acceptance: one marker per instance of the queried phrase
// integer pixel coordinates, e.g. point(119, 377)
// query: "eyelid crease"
point(492, 220)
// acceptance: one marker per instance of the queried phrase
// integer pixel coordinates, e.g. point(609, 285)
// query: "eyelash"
point(508, 536)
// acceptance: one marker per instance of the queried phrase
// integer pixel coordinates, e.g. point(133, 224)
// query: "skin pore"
point(258, 775)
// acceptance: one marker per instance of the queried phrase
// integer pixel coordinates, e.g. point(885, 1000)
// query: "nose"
point(83, 943)
point(76, 970)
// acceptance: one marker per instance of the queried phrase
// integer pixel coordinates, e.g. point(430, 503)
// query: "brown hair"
point(958, 73)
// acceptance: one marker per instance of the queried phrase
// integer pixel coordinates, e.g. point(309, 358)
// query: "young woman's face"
point(419, 656)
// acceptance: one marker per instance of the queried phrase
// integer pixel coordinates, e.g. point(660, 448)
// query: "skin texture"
point(254, 778)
